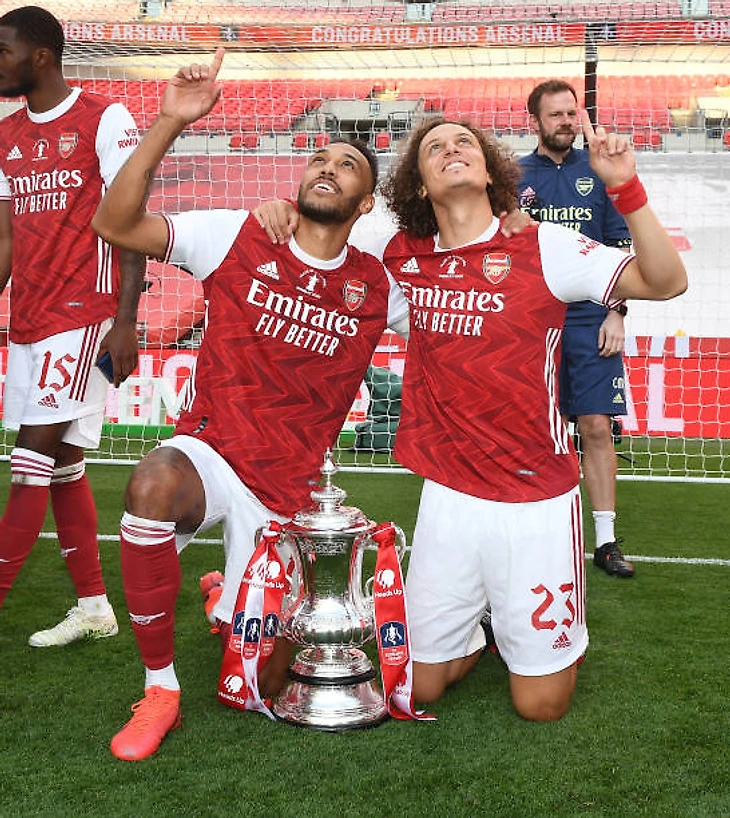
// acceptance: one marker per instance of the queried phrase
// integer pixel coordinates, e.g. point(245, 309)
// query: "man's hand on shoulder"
point(515, 222)
point(279, 218)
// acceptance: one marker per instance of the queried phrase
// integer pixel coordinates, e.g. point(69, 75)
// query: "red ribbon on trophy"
point(391, 626)
point(255, 625)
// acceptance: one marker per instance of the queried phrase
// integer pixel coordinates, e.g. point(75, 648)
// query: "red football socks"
point(75, 514)
point(152, 576)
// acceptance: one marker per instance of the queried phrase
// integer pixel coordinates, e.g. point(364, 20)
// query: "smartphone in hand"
point(106, 366)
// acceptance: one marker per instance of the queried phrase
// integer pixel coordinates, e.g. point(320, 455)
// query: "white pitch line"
point(674, 560)
point(51, 535)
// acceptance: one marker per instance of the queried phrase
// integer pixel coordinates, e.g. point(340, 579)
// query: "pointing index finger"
point(216, 62)
point(587, 125)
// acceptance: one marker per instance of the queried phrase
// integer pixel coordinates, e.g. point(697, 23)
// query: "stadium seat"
point(433, 104)
point(300, 141)
point(640, 140)
point(321, 140)
point(249, 141)
point(382, 141)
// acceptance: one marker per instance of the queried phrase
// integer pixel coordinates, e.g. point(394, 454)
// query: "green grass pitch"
point(647, 734)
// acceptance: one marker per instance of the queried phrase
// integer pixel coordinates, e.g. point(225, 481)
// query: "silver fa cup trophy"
point(332, 682)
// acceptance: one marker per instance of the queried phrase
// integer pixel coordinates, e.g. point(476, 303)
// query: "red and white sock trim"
point(140, 531)
point(30, 468)
point(68, 474)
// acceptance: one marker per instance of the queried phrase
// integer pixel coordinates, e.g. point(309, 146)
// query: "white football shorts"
point(524, 560)
point(230, 502)
point(54, 381)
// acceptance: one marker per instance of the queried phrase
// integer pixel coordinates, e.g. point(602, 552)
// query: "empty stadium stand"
point(249, 109)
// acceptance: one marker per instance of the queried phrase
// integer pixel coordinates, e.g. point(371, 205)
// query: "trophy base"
point(331, 707)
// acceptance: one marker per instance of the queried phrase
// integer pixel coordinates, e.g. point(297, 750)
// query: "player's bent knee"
point(429, 682)
point(543, 710)
point(543, 698)
point(275, 672)
point(157, 482)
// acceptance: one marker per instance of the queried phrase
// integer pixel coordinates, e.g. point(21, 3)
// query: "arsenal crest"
point(67, 143)
point(354, 293)
point(496, 267)
point(584, 185)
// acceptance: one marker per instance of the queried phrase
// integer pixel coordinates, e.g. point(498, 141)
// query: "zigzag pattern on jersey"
point(479, 410)
point(266, 399)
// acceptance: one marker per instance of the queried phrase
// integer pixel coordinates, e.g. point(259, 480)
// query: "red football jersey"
point(57, 165)
point(479, 411)
point(287, 341)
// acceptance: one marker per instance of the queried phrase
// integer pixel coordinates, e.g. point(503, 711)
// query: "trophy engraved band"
point(332, 682)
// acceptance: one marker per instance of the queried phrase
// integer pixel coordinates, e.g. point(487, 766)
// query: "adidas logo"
point(268, 269)
point(562, 641)
point(49, 402)
point(410, 266)
point(14, 153)
point(618, 398)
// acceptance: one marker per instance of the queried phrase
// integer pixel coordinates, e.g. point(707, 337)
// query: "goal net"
point(297, 74)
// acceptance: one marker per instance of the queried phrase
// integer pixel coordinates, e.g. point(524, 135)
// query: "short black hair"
point(364, 149)
point(37, 27)
point(545, 88)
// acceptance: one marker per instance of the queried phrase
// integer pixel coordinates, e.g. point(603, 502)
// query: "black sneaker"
point(611, 560)
point(486, 623)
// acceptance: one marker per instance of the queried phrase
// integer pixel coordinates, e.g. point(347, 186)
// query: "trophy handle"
point(400, 550)
point(400, 543)
point(299, 576)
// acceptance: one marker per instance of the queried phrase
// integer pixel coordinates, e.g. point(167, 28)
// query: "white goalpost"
point(300, 73)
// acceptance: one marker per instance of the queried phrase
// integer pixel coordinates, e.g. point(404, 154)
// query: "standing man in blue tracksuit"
point(558, 185)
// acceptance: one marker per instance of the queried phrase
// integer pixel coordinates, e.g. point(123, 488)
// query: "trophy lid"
point(328, 513)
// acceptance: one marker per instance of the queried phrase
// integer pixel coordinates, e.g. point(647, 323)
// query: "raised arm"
point(121, 218)
point(657, 273)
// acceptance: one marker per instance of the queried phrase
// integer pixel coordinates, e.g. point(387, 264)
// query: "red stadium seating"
point(382, 141)
point(249, 141)
point(300, 141)
point(265, 106)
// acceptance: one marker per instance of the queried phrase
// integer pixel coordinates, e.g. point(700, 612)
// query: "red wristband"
point(629, 196)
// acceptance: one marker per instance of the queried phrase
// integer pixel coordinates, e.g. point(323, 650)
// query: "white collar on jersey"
point(488, 234)
point(59, 110)
point(319, 263)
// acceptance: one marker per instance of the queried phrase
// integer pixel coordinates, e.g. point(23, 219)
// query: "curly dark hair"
point(415, 214)
point(36, 27)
